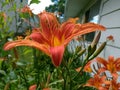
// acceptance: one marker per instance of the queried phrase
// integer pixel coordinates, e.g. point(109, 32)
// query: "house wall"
point(14, 17)
point(110, 18)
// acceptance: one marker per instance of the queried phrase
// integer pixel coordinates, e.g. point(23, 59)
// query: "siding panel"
point(110, 5)
point(110, 51)
point(111, 20)
point(115, 33)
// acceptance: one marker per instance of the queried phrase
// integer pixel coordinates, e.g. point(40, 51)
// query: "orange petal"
point(117, 61)
point(26, 9)
point(87, 67)
point(78, 69)
point(57, 54)
point(12, 44)
point(111, 59)
point(67, 29)
point(48, 23)
point(81, 29)
point(38, 37)
point(102, 61)
point(33, 87)
point(110, 37)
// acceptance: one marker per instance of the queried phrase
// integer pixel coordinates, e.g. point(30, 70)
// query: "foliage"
point(57, 7)
point(35, 1)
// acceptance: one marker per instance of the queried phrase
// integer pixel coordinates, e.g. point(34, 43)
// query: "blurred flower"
point(52, 38)
point(2, 58)
point(33, 87)
point(2, 14)
point(78, 69)
point(87, 68)
point(98, 82)
point(19, 37)
point(27, 32)
point(26, 9)
point(79, 38)
point(46, 88)
point(110, 37)
point(111, 64)
point(114, 85)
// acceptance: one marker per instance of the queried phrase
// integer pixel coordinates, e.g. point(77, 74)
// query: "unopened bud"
point(98, 51)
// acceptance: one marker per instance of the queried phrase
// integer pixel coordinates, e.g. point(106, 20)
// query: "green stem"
point(83, 65)
point(64, 80)
point(24, 77)
point(36, 66)
point(68, 81)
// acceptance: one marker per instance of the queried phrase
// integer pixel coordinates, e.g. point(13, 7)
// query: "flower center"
point(56, 41)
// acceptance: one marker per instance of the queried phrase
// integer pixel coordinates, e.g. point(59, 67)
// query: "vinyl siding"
point(110, 18)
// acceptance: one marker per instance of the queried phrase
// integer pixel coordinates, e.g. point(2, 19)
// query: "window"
point(92, 15)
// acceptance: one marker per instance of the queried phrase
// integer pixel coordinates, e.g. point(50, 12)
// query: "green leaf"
point(55, 82)
point(34, 1)
point(19, 64)
point(12, 75)
point(13, 81)
point(0, 63)
point(2, 72)
point(98, 51)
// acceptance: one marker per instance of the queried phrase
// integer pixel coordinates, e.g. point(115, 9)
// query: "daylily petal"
point(73, 20)
point(33, 87)
point(88, 27)
point(12, 44)
point(117, 61)
point(88, 68)
point(111, 64)
point(110, 37)
point(48, 23)
point(111, 59)
point(39, 37)
point(67, 29)
point(57, 54)
point(84, 29)
point(97, 81)
point(102, 61)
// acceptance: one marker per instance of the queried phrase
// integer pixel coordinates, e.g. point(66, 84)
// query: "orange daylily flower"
point(26, 9)
point(114, 85)
point(111, 64)
point(52, 38)
point(87, 68)
point(98, 82)
point(110, 37)
point(2, 14)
